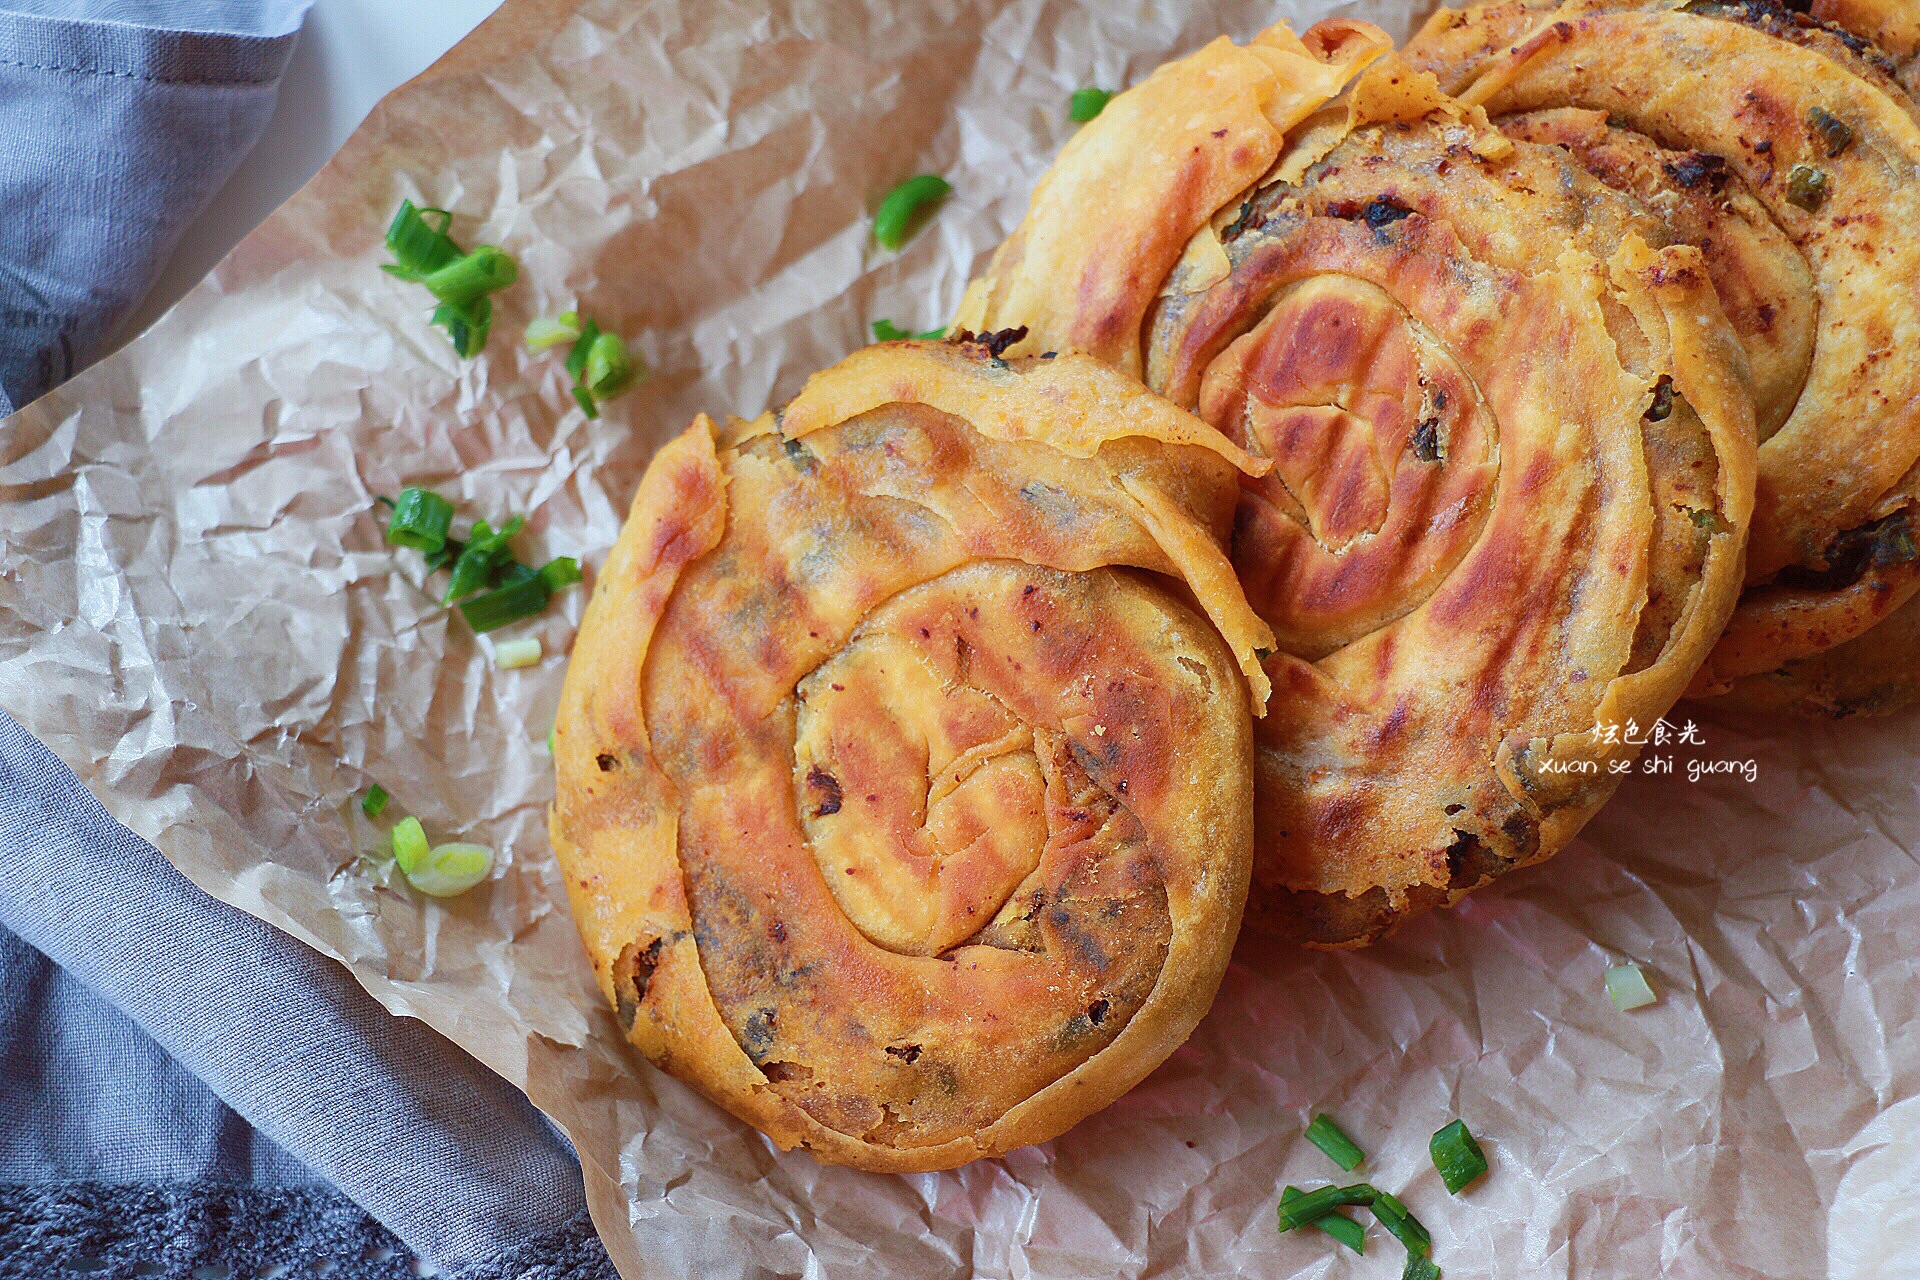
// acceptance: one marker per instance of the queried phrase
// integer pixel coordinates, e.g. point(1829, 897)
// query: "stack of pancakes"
point(1351, 457)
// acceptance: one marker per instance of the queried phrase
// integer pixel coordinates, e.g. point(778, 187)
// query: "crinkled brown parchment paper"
point(198, 614)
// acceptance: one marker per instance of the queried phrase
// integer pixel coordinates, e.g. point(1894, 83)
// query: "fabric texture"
point(161, 988)
point(116, 136)
point(184, 1091)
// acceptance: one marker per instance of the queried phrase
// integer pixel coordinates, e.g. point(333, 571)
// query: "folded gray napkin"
point(184, 1091)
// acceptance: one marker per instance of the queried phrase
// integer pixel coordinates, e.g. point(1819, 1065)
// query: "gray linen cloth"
point(184, 1091)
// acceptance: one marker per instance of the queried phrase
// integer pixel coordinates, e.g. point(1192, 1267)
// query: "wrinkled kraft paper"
point(197, 612)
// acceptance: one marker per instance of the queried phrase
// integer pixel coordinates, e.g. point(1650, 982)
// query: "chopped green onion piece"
point(1806, 187)
point(609, 369)
point(551, 331)
point(888, 331)
point(1419, 1267)
point(900, 213)
point(585, 400)
point(473, 276)
point(409, 844)
point(421, 519)
point(509, 654)
point(577, 356)
point(374, 801)
point(467, 325)
point(418, 246)
point(445, 555)
point(1835, 132)
point(1628, 987)
point(1396, 1217)
point(484, 551)
point(1330, 1138)
point(1338, 1225)
point(550, 740)
point(561, 571)
point(451, 869)
point(521, 598)
point(1322, 1201)
point(1085, 104)
point(1457, 1156)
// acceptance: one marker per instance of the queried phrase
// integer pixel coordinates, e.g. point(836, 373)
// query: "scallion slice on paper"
point(418, 246)
point(901, 213)
point(420, 520)
point(1330, 1138)
point(1419, 1267)
point(1311, 1205)
point(485, 552)
point(1336, 1224)
point(473, 276)
point(509, 655)
point(1628, 987)
point(524, 592)
point(410, 846)
point(1087, 104)
point(1398, 1219)
point(552, 331)
point(450, 869)
point(599, 362)
point(375, 801)
point(1456, 1156)
point(425, 253)
point(888, 331)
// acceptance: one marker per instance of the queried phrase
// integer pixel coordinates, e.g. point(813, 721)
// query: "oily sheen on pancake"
point(1512, 466)
point(1804, 134)
point(905, 766)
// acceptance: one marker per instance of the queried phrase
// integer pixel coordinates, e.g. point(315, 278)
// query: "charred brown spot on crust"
point(907, 1053)
point(757, 1035)
point(608, 763)
point(1097, 1012)
point(632, 973)
point(1522, 833)
point(1698, 168)
point(826, 789)
point(995, 342)
point(1471, 863)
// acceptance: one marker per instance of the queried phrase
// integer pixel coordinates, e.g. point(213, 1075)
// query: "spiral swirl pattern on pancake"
point(905, 773)
point(1512, 465)
point(1802, 133)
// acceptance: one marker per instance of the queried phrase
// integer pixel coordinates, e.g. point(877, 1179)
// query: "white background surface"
point(351, 53)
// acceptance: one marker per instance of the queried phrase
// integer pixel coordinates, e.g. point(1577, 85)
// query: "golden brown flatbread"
point(905, 774)
point(1512, 448)
point(1808, 128)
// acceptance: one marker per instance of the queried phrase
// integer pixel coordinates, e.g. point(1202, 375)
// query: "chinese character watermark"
point(1662, 735)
